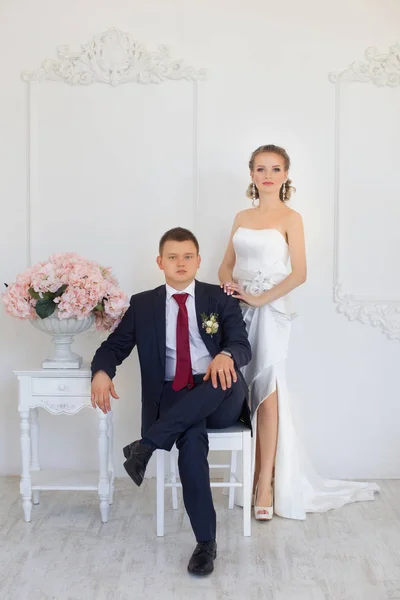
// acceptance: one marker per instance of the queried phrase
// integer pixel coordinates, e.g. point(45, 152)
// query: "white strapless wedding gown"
point(262, 258)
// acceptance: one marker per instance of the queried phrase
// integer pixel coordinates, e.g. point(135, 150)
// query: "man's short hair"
point(177, 234)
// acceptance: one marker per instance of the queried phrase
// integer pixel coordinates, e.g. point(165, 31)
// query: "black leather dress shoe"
point(137, 456)
point(202, 559)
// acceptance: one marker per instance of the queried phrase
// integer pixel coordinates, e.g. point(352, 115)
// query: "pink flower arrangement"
point(73, 285)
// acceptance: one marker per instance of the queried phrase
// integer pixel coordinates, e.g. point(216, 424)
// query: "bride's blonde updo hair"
point(271, 149)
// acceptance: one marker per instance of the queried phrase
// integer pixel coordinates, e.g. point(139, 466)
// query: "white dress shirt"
point(199, 354)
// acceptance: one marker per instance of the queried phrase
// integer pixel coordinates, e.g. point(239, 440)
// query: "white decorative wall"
point(117, 152)
point(367, 216)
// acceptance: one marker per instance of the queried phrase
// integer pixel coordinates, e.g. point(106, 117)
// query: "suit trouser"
point(184, 419)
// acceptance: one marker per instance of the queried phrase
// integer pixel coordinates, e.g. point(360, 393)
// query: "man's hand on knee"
point(222, 368)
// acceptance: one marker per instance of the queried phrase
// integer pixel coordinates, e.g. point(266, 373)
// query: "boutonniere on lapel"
point(210, 323)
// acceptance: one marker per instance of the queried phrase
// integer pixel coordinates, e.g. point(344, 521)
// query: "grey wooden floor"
point(65, 553)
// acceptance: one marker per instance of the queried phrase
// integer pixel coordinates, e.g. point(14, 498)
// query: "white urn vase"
point(63, 332)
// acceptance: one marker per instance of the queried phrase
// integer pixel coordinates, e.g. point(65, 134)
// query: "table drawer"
point(60, 386)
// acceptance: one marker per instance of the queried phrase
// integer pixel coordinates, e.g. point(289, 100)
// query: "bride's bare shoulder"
point(292, 215)
point(243, 215)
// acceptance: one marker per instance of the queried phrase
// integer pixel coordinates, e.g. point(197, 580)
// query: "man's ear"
point(198, 261)
point(159, 262)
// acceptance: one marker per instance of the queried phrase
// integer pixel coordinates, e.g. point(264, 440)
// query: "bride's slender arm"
point(228, 262)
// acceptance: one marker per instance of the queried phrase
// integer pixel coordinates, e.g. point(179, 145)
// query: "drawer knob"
point(62, 386)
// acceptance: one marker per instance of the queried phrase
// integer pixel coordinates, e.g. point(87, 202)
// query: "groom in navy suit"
point(191, 341)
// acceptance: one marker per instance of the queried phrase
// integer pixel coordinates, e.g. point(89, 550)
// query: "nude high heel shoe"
point(263, 513)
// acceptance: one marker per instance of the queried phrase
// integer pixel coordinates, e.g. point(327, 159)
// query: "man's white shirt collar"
point(189, 290)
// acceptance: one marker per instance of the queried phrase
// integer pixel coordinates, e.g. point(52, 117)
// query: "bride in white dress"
point(255, 269)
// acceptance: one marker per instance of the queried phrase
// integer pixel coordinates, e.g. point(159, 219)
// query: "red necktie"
point(183, 373)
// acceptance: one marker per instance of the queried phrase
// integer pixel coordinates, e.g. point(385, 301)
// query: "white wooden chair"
point(234, 439)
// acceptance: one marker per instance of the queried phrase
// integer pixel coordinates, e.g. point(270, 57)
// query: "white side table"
point(60, 391)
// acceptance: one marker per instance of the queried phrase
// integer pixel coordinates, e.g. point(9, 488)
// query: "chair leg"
point(173, 467)
point(232, 478)
point(246, 455)
point(160, 491)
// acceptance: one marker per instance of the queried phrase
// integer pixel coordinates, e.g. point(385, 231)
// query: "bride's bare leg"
point(257, 463)
point(267, 436)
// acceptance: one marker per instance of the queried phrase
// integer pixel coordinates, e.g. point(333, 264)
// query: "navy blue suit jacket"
point(144, 326)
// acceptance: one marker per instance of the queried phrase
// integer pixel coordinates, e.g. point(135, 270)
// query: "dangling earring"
point(254, 194)
point(284, 191)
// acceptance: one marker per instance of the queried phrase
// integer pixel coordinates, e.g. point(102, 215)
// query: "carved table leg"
point(104, 482)
point(110, 432)
point(35, 449)
point(25, 485)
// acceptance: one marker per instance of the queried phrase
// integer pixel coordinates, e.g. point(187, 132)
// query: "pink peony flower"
point(89, 288)
point(115, 302)
point(18, 302)
point(105, 322)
